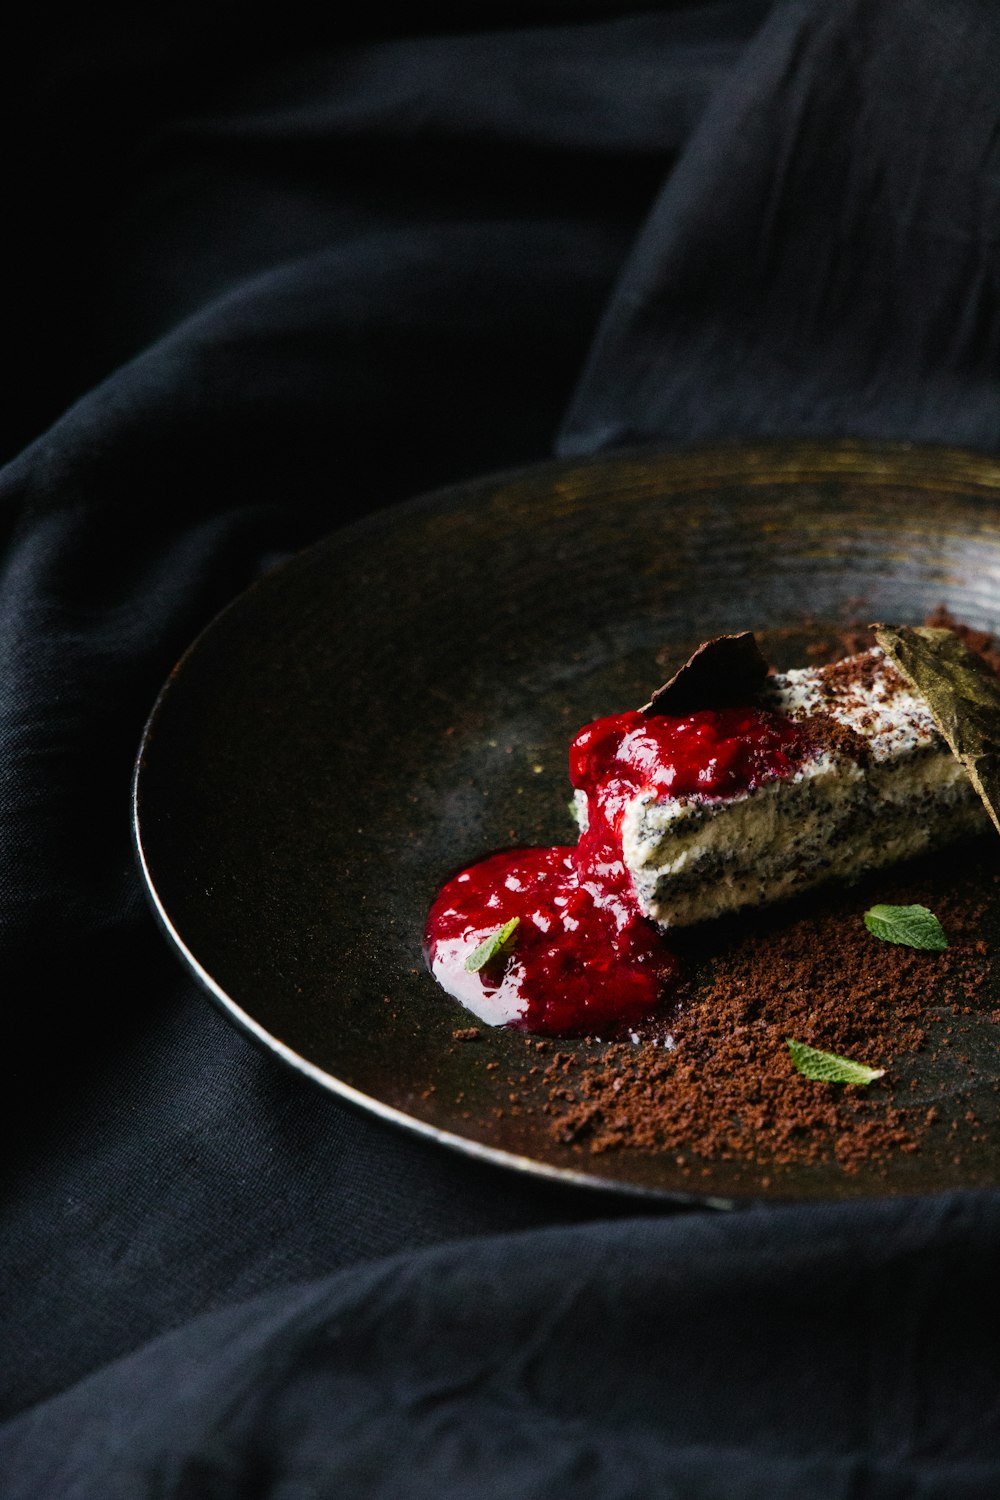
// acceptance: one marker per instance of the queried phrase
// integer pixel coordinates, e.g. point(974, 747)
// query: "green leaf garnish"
point(914, 926)
point(827, 1067)
point(491, 946)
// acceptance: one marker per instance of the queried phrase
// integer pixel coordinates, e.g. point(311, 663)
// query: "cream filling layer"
point(692, 860)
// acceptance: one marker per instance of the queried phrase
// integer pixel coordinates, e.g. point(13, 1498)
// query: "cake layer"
point(876, 785)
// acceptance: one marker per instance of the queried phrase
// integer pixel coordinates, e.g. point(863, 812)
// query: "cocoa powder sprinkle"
point(719, 1084)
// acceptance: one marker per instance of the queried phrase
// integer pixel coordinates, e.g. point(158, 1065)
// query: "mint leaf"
point(914, 926)
point(491, 946)
point(827, 1067)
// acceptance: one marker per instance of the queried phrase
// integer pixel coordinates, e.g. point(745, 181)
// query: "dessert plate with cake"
point(372, 825)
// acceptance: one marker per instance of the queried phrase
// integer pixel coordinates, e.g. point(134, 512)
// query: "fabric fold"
point(823, 259)
point(775, 1353)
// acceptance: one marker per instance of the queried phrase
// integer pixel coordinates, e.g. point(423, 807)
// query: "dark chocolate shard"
point(727, 672)
point(962, 694)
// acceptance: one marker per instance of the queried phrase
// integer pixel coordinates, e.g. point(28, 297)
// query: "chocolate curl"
point(727, 672)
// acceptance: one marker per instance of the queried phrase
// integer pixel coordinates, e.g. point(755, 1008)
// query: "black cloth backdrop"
point(261, 279)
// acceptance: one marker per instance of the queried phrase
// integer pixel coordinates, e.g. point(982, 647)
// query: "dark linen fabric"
point(263, 280)
point(643, 1358)
point(823, 259)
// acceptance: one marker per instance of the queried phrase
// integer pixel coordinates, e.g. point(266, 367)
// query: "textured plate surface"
point(397, 702)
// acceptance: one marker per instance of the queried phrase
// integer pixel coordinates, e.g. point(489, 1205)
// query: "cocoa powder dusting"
point(821, 731)
point(855, 676)
point(719, 1083)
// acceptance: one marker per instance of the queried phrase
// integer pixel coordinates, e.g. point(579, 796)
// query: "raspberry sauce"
point(583, 959)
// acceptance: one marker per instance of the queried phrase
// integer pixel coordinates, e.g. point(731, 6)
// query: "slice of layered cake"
point(832, 772)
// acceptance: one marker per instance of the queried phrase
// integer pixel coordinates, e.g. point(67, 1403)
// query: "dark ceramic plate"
point(397, 701)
